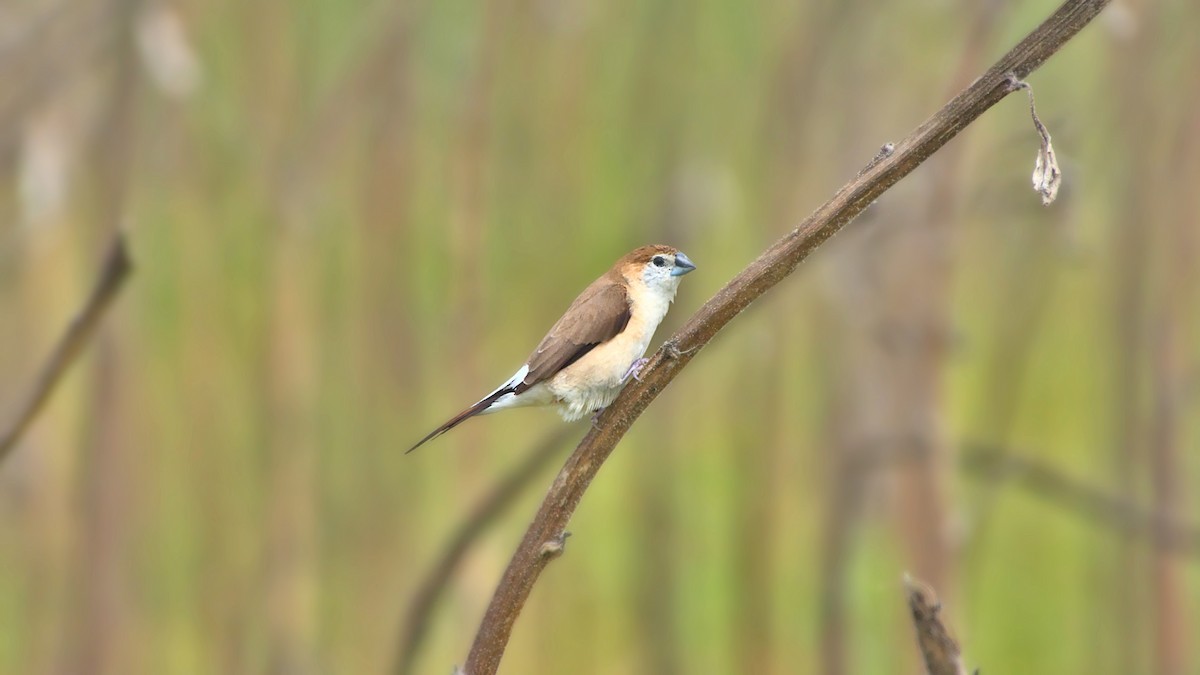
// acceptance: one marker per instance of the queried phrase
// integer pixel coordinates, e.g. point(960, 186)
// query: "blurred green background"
point(350, 220)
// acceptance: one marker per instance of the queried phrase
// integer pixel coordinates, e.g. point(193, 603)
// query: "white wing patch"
point(515, 379)
point(535, 395)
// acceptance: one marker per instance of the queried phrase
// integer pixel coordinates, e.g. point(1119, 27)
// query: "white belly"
point(594, 381)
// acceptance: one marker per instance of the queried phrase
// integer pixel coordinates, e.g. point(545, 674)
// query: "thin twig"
point(115, 270)
point(939, 649)
point(774, 265)
point(480, 519)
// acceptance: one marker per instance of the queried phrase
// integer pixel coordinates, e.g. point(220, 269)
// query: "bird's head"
point(658, 267)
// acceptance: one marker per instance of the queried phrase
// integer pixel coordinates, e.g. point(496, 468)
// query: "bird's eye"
point(659, 261)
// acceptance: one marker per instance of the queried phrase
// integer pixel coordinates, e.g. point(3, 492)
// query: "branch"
point(774, 265)
point(482, 517)
point(1164, 530)
point(940, 651)
point(115, 270)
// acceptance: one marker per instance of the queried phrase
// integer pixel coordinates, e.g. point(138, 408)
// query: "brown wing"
point(599, 313)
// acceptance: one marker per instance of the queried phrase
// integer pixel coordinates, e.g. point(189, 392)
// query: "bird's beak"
point(682, 265)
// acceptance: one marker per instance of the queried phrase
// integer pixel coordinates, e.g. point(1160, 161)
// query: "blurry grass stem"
point(115, 271)
point(774, 265)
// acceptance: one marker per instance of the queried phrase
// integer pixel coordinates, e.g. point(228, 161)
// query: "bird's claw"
point(635, 369)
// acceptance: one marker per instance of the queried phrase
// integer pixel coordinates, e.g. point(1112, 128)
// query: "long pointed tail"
point(463, 416)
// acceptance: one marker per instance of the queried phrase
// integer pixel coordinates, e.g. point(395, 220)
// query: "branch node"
point(886, 150)
point(672, 351)
point(1015, 83)
point(555, 546)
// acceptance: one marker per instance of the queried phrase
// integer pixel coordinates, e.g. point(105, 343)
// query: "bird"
point(596, 346)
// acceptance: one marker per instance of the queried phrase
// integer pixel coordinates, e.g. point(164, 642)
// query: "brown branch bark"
point(115, 270)
point(774, 265)
point(939, 649)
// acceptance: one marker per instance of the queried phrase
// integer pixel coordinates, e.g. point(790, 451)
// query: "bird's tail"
point(463, 416)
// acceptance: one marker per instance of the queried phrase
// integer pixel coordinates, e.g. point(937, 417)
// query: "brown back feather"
point(599, 314)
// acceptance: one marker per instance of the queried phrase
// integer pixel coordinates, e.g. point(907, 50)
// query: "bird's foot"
point(635, 368)
point(596, 418)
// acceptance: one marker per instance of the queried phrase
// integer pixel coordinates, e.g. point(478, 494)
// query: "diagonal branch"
point(775, 264)
point(115, 270)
